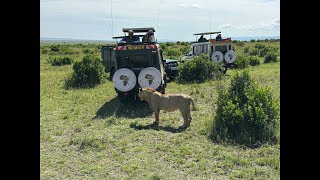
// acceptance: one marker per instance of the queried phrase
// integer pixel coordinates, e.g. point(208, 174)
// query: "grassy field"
point(88, 134)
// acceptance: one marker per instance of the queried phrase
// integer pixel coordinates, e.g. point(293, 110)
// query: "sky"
point(175, 20)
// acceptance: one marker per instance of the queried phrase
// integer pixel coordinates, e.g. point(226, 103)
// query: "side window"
point(155, 58)
point(230, 47)
point(108, 55)
point(194, 50)
point(211, 49)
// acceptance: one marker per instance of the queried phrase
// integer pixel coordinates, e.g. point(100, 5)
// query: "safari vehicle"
point(219, 50)
point(171, 68)
point(138, 64)
point(108, 58)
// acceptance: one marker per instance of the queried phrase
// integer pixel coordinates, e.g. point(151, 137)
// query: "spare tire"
point(230, 56)
point(124, 79)
point(217, 57)
point(150, 77)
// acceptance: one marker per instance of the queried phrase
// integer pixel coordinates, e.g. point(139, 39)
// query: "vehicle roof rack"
point(146, 29)
point(207, 33)
point(117, 37)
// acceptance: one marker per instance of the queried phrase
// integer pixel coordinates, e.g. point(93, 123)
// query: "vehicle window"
point(155, 58)
point(136, 61)
point(222, 49)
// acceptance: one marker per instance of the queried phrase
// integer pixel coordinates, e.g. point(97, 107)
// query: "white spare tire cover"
point(217, 57)
point(124, 79)
point(150, 77)
point(230, 56)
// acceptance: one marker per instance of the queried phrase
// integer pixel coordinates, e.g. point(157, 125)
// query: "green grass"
point(88, 134)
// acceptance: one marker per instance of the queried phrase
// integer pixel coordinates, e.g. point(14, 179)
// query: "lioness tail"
point(193, 105)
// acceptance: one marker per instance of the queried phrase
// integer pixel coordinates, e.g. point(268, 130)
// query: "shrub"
point(254, 60)
point(171, 52)
point(242, 62)
point(199, 69)
point(246, 49)
point(184, 50)
point(270, 57)
point(163, 47)
point(59, 61)
point(54, 49)
point(169, 44)
point(253, 51)
point(246, 114)
point(240, 43)
point(87, 51)
point(260, 46)
point(88, 72)
point(264, 51)
point(44, 51)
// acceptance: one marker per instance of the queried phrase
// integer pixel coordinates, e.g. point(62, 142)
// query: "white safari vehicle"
point(220, 50)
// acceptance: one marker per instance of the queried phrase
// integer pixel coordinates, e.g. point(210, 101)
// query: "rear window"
point(222, 49)
point(136, 61)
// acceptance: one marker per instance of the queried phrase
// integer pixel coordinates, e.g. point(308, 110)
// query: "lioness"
point(168, 102)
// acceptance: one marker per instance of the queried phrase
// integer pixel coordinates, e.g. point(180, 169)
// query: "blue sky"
point(172, 19)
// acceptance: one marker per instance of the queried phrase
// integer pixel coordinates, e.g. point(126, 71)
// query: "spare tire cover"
point(217, 57)
point(230, 56)
point(150, 77)
point(124, 79)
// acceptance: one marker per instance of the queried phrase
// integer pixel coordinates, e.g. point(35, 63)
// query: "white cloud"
point(195, 5)
point(176, 20)
point(226, 26)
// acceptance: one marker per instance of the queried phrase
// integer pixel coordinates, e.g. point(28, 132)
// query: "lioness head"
point(145, 93)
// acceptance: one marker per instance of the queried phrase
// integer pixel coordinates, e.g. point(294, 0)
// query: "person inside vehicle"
point(218, 37)
point(131, 38)
point(148, 37)
point(202, 39)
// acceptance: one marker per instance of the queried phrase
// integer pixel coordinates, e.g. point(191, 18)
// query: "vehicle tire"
point(112, 72)
point(163, 91)
point(165, 79)
point(121, 97)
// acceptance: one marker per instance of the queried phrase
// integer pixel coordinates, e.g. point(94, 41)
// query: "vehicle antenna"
point(111, 20)
point(158, 14)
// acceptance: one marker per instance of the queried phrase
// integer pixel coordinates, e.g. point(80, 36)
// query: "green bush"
point(88, 72)
point(87, 51)
point(246, 114)
point(171, 52)
point(199, 69)
point(254, 60)
point(242, 62)
point(239, 43)
point(270, 57)
point(44, 51)
point(246, 49)
point(260, 46)
point(54, 48)
point(59, 61)
point(169, 44)
point(184, 50)
point(254, 51)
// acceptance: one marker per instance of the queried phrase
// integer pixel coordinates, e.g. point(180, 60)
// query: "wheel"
point(163, 91)
point(121, 97)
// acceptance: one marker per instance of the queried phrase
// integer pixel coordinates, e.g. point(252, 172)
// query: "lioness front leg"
point(156, 114)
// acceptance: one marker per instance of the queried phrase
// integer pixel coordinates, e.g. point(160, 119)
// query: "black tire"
point(112, 71)
point(122, 98)
point(163, 91)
